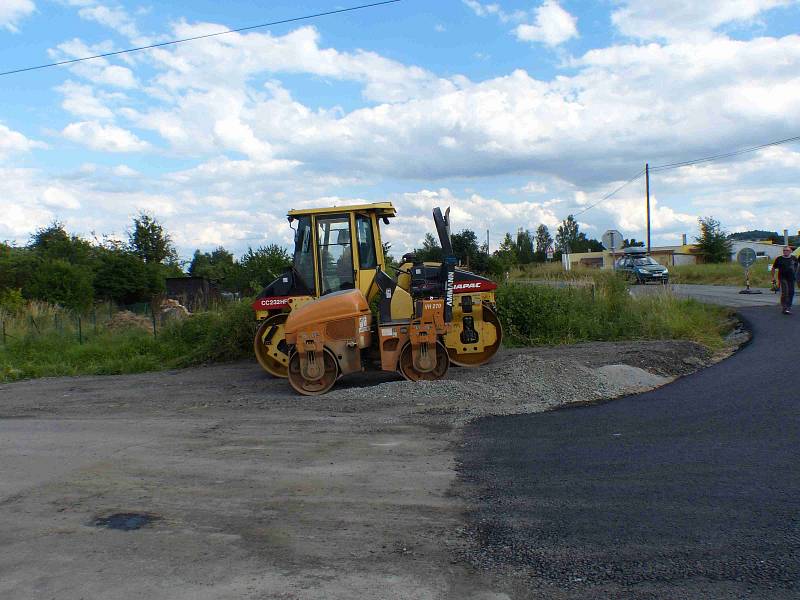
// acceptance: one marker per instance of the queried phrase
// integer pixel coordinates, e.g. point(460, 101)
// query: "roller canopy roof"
point(382, 209)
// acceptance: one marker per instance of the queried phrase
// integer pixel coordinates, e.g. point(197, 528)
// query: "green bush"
point(11, 300)
point(60, 282)
point(214, 336)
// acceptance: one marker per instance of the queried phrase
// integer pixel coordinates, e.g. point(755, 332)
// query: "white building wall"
point(770, 251)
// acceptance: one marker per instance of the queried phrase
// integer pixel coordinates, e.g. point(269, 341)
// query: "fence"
point(41, 319)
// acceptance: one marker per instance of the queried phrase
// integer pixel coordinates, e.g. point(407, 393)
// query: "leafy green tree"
point(465, 246)
point(632, 243)
point(124, 278)
point(524, 247)
point(507, 253)
point(567, 235)
point(715, 247)
point(53, 242)
point(16, 266)
point(543, 241)
point(149, 241)
point(473, 255)
point(220, 267)
point(261, 266)
point(586, 244)
point(60, 282)
point(430, 251)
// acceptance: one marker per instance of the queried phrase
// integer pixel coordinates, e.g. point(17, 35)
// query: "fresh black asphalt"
point(688, 491)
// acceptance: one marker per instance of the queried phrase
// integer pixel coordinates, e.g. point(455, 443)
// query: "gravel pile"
point(515, 384)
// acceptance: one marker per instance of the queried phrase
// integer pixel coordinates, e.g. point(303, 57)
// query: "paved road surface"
point(689, 491)
point(713, 294)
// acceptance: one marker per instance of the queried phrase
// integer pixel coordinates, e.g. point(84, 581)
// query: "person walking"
point(786, 268)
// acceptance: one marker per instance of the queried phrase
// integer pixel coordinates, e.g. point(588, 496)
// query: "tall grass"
point(220, 335)
point(539, 314)
point(708, 274)
point(722, 274)
point(531, 314)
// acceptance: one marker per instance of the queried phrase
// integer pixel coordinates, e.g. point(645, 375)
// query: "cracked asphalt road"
point(689, 491)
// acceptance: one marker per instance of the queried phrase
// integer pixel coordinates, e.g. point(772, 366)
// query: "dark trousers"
point(787, 293)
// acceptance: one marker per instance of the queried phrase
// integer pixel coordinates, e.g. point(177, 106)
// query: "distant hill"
point(755, 235)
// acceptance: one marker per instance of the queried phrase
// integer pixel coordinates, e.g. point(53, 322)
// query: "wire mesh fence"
point(39, 319)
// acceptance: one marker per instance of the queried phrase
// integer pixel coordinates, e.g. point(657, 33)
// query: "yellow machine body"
point(340, 248)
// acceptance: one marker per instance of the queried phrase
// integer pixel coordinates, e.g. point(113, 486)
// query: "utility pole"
point(487, 243)
point(647, 191)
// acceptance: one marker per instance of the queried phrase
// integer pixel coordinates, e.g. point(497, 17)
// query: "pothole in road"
point(125, 521)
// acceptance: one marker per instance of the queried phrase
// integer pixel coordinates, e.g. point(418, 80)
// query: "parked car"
point(640, 268)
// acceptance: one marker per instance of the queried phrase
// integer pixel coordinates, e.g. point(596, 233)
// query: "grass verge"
point(531, 315)
point(540, 314)
point(721, 274)
point(222, 335)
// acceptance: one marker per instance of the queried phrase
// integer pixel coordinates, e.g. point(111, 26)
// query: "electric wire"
point(610, 194)
point(200, 37)
point(714, 157)
point(685, 163)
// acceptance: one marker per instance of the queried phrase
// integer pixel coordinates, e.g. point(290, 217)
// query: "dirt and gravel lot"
point(258, 493)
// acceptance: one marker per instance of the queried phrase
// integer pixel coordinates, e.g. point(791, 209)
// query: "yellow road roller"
point(339, 249)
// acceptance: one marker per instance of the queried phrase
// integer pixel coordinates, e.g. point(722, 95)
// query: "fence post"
point(94, 320)
point(4, 332)
point(153, 315)
point(80, 331)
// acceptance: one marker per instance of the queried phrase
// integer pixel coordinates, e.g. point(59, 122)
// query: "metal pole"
point(153, 314)
point(4, 332)
point(647, 190)
point(80, 331)
point(487, 243)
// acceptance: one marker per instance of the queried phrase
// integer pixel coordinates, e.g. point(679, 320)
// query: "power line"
point(610, 194)
point(200, 37)
point(676, 165)
point(714, 157)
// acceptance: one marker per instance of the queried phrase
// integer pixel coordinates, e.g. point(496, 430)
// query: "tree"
point(586, 244)
point(632, 243)
point(543, 241)
point(543, 238)
point(524, 247)
point(430, 251)
point(715, 247)
point(507, 251)
point(756, 235)
point(16, 266)
point(261, 266)
point(53, 242)
point(60, 282)
point(466, 248)
point(124, 278)
point(567, 235)
point(149, 241)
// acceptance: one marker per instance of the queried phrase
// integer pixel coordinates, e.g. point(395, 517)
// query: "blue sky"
point(513, 113)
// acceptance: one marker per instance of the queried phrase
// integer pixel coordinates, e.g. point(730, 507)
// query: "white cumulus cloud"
point(106, 138)
point(552, 25)
point(683, 19)
point(13, 11)
point(13, 142)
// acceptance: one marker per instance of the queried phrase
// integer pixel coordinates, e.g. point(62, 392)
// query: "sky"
point(513, 113)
